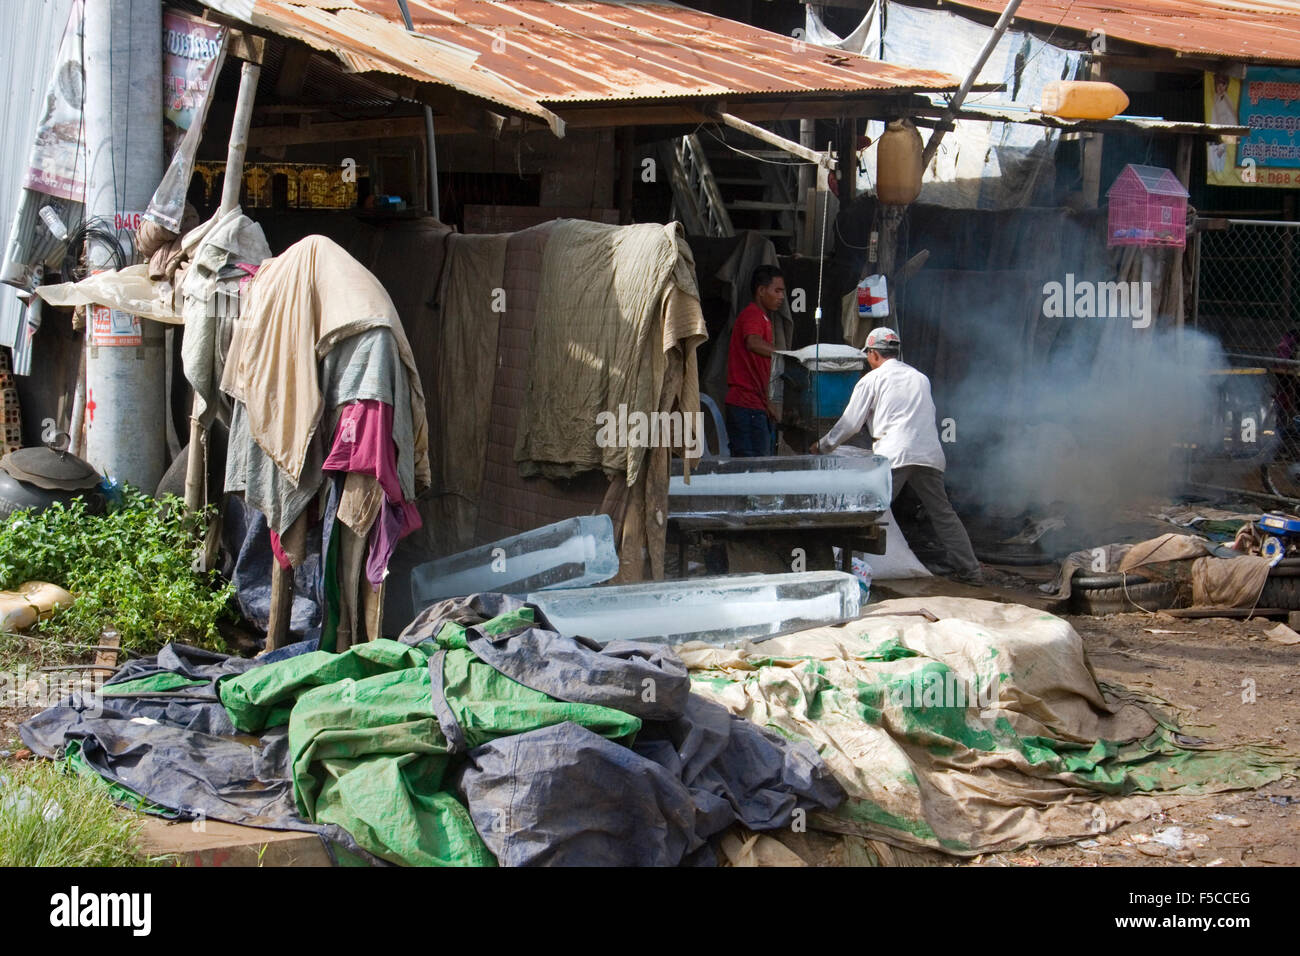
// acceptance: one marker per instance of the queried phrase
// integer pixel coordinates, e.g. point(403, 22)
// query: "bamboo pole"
point(196, 464)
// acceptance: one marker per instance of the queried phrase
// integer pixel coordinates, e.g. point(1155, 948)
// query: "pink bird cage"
point(1148, 207)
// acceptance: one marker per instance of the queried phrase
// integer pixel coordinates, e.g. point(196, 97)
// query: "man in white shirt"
point(895, 399)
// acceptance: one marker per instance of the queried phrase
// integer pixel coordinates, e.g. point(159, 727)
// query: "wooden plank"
point(762, 205)
point(767, 136)
point(1092, 147)
point(277, 625)
point(400, 126)
point(292, 543)
point(1156, 61)
point(627, 173)
point(293, 73)
point(109, 643)
point(1233, 612)
point(1183, 170)
point(246, 46)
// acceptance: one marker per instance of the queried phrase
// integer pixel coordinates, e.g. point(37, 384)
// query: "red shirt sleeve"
point(750, 324)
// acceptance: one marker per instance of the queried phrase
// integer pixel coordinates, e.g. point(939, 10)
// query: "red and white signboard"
point(114, 328)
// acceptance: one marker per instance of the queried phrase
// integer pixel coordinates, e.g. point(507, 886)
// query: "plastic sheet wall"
point(980, 165)
point(29, 40)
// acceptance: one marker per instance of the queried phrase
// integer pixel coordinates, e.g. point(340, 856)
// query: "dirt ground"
point(1206, 670)
point(10, 718)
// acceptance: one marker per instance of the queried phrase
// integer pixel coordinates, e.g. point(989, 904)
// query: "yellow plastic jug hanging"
point(898, 164)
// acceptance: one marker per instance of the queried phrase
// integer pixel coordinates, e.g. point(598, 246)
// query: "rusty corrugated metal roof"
point(582, 51)
point(1261, 30)
point(366, 43)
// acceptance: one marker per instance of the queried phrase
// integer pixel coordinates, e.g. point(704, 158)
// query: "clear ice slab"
point(572, 553)
point(720, 609)
point(788, 491)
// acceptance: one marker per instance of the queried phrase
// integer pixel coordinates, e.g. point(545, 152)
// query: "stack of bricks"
point(11, 419)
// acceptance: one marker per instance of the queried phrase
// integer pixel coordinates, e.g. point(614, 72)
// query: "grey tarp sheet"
point(571, 798)
point(179, 750)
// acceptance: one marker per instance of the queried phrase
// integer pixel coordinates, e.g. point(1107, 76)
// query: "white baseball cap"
point(883, 338)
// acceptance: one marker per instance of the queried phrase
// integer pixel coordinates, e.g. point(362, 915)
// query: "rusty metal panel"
point(366, 43)
point(522, 54)
point(1257, 30)
point(633, 50)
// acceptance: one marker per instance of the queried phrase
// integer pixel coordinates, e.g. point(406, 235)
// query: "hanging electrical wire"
point(95, 229)
point(757, 159)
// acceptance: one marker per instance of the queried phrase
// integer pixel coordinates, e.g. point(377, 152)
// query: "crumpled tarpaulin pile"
point(481, 737)
point(1212, 574)
point(984, 731)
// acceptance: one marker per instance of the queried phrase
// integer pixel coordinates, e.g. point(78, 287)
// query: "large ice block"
point(575, 552)
point(790, 491)
point(720, 610)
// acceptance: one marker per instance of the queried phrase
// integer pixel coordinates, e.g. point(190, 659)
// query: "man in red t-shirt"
point(749, 367)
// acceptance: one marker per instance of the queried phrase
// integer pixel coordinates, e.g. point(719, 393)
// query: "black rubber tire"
point(1083, 581)
point(1280, 592)
point(1011, 559)
point(1141, 596)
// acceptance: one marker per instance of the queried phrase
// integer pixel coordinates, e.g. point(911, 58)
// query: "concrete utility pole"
point(124, 373)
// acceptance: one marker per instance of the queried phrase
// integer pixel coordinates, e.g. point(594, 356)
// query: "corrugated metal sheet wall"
point(30, 31)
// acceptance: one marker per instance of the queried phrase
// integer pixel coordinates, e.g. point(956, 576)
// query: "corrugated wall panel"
point(30, 31)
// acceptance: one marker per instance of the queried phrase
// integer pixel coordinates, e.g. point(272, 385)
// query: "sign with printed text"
point(127, 221)
point(190, 53)
point(1268, 101)
point(115, 328)
point(57, 166)
point(193, 52)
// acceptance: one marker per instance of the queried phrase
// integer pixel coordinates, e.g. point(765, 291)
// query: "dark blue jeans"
point(748, 432)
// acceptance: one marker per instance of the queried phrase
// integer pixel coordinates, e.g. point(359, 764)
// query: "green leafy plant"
point(130, 569)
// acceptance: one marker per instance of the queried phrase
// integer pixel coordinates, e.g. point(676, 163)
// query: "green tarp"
point(368, 752)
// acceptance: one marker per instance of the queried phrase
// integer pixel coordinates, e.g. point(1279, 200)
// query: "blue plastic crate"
point(831, 391)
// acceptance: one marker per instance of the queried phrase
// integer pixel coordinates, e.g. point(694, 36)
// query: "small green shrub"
point(130, 569)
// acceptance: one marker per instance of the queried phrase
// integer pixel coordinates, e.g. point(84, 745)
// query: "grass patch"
point(52, 817)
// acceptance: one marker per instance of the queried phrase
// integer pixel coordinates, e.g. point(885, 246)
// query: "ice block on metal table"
point(790, 491)
point(719, 610)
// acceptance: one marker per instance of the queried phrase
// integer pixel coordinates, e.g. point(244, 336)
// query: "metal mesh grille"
point(1248, 296)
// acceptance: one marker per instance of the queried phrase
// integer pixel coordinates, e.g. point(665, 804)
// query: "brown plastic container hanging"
point(898, 164)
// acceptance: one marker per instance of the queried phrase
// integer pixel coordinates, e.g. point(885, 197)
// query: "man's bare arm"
point(758, 345)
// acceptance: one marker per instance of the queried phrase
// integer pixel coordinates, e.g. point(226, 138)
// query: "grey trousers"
point(928, 484)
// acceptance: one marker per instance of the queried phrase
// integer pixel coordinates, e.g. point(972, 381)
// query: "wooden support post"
point(277, 625)
point(293, 544)
point(197, 462)
point(110, 643)
point(1092, 146)
point(627, 173)
point(891, 218)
